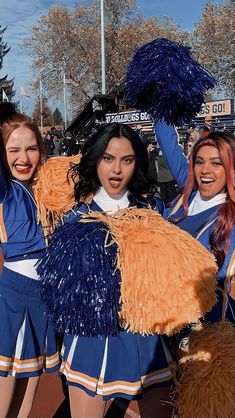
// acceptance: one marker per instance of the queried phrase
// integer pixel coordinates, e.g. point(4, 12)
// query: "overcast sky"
point(21, 15)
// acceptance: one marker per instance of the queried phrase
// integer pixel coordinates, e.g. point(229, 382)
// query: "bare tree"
point(214, 43)
point(69, 41)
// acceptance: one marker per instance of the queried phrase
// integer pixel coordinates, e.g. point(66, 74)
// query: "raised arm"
point(172, 152)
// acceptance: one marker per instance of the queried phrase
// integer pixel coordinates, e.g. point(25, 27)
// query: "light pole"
point(102, 42)
point(65, 102)
point(41, 102)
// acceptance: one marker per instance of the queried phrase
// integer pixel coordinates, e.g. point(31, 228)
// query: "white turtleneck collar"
point(111, 204)
point(199, 204)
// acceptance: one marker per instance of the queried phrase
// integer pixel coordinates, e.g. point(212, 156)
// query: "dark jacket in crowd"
point(49, 145)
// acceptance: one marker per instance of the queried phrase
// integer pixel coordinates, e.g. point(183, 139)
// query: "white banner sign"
point(216, 108)
point(127, 117)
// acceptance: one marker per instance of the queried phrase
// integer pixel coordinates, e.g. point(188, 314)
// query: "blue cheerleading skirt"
point(124, 366)
point(27, 339)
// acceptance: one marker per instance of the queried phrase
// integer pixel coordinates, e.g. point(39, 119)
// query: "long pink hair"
point(220, 236)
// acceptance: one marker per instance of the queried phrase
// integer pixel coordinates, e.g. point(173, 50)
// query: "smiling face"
point(22, 153)
point(209, 172)
point(116, 166)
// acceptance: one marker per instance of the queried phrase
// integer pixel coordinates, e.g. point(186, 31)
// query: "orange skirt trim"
point(129, 388)
point(29, 365)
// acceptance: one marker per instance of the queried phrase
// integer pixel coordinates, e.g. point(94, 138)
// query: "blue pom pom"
point(80, 282)
point(165, 81)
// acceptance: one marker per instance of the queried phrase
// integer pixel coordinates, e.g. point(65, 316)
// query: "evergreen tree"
point(47, 116)
point(57, 117)
point(5, 84)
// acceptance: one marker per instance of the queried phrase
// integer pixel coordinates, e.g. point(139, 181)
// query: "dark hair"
point(220, 236)
point(92, 151)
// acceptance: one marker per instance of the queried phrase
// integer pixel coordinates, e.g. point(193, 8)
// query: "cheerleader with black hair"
point(107, 280)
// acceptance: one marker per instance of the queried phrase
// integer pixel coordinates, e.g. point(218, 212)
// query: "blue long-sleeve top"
point(200, 225)
point(172, 152)
point(21, 234)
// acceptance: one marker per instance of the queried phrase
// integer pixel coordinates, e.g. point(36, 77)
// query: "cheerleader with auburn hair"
point(27, 339)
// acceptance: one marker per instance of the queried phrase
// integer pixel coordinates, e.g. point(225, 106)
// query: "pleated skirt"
point(124, 366)
point(27, 339)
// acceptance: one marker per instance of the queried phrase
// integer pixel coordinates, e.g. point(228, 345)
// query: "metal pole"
point(102, 42)
point(65, 105)
point(41, 104)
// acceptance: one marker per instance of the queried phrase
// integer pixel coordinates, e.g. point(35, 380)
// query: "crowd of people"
point(58, 143)
point(75, 281)
point(66, 144)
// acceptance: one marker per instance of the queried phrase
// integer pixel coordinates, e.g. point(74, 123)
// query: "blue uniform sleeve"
point(172, 152)
point(75, 213)
point(158, 205)
point(224, 279)
point(70, 216)
point(4, 183)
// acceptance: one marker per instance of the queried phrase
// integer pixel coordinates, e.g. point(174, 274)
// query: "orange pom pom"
point(168, 277)
point(207, 386)
point(53, 191)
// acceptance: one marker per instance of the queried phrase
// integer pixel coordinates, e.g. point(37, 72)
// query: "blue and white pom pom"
point(80, 282)
point(165, 81)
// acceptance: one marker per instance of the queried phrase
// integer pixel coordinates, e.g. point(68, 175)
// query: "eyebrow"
point(125, 156)
point(15, 147)
point(212, 158)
